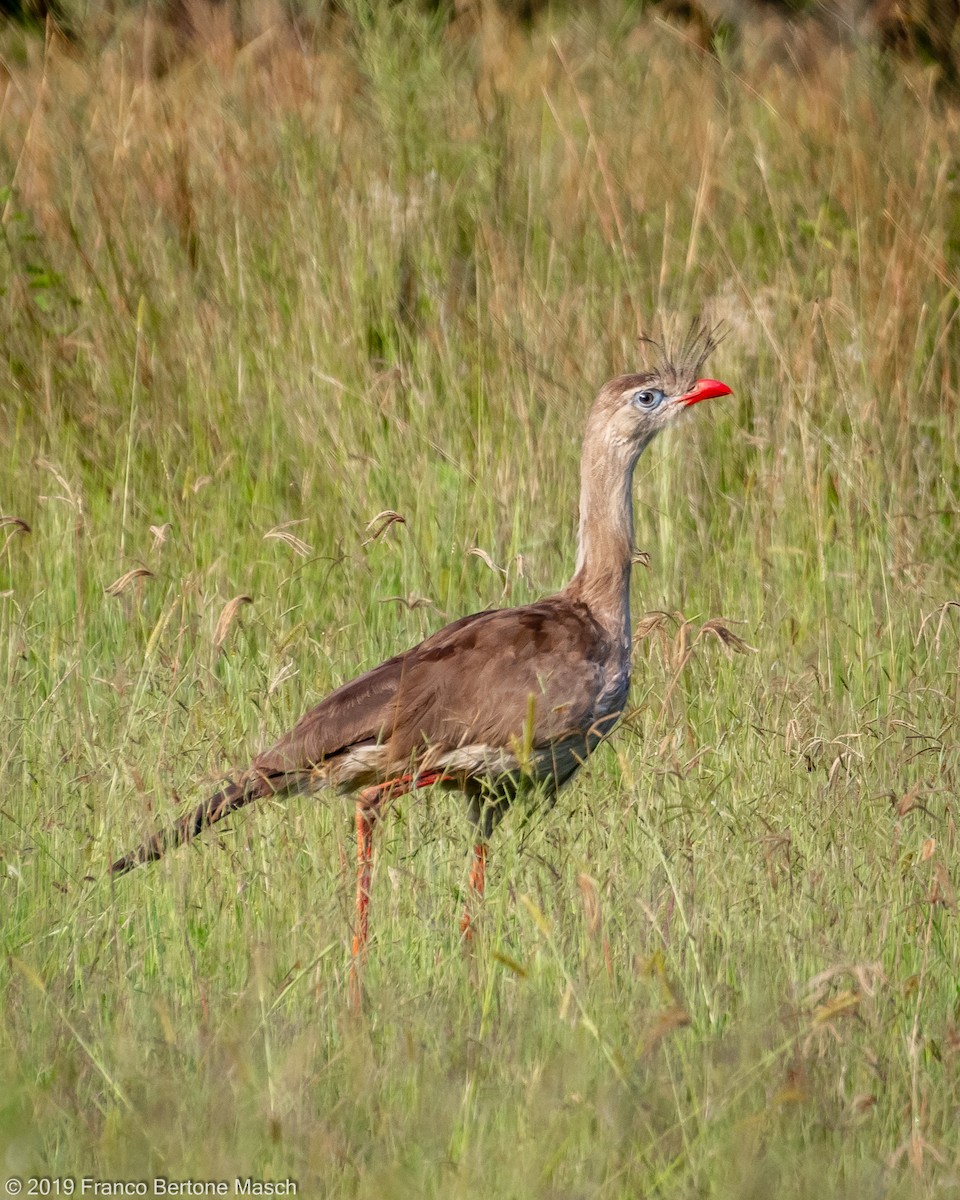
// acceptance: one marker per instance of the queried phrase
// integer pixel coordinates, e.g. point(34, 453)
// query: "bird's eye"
point(649, 398)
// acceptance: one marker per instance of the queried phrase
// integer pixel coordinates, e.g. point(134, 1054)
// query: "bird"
point(504, 703)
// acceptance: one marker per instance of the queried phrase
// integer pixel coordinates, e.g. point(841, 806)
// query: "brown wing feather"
point(469, 683)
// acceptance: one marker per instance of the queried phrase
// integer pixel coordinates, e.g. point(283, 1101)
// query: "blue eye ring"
point(648, 398)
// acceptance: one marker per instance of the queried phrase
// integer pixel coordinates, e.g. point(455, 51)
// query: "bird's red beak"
point(705, 389)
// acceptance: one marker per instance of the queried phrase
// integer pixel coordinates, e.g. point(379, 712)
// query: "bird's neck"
point(605, 547)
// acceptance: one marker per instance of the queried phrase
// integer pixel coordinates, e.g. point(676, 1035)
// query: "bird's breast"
point(615, 687)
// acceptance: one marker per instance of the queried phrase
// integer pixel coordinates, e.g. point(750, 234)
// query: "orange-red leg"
point(478, 874)
point(365, 824)
point(366, 819)
point(368, 812)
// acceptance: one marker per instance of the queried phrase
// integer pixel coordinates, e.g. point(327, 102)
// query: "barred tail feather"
point(233, 796)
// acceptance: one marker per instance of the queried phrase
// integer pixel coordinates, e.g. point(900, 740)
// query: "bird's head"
point(632, 409)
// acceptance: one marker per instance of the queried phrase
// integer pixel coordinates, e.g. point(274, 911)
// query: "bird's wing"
point(529, 675)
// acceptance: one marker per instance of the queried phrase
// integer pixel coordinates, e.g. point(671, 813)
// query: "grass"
point(253, 305)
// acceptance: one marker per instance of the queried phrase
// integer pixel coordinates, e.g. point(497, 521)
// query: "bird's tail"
point(233, 796)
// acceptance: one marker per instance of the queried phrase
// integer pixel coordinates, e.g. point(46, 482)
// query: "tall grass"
point(252, 306)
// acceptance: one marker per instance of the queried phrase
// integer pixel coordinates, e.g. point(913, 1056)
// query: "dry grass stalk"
point(15, 525)
point(119, 586)
point(381, 523)
point(160, 534)
point(227, 617)
point(411, 601)
point(281, 533)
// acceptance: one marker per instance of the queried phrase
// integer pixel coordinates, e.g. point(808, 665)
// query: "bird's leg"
point(486, 812)
point(366, 819)
point(368, 810)
point(478, 872)
point(369, 802)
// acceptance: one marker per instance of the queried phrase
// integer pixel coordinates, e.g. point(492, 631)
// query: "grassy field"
point(250, 306)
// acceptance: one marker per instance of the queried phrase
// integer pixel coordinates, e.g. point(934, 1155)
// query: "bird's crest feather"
point(677, 361)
